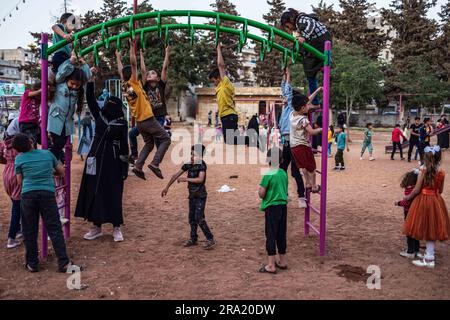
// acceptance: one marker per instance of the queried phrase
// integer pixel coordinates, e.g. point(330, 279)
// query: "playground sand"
point(364, 229)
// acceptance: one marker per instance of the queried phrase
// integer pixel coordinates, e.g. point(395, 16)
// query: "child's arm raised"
point(119, 63)
point(172, 181)
point(313, 95)
point(165, 65)
point(133, 61)
point(143, 66)
point(90, 96)
point(220, 61)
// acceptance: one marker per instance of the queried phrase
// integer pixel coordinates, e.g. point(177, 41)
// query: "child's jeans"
point(330, 144)
point(33, 205)
point(413, 244)
point(132, 135)
point(197, 218)
point(58, 59)
point(14, 226)
point(366, 145)
point(312, 83)
point(276, 229)
point(339, 158)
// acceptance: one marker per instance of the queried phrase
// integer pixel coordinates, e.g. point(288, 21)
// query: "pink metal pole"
point(325, 125)
point(44, 112)
point(67, 179)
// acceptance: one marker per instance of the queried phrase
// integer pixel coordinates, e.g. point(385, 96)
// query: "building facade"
point(249, 101)
point(16, 58)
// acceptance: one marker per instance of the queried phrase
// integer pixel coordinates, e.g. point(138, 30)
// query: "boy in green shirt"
point(273, 191)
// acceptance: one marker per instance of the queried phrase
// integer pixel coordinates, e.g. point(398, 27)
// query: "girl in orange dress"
point(428, 217)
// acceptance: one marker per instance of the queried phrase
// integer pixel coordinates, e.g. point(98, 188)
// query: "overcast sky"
point(37, 15)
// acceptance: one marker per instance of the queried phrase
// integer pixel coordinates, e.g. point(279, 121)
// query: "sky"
point(38, 15)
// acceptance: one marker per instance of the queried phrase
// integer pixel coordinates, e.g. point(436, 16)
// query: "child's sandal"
point(317, 190)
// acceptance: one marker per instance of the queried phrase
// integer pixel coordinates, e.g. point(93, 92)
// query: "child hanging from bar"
point(300, 132)
point(70, 80)
point(141, 110)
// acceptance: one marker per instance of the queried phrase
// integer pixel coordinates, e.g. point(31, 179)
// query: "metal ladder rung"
point(314, 209)
point(313, 228)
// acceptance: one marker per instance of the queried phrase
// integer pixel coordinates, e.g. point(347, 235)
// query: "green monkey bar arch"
point(242, 32)
point(267, 44)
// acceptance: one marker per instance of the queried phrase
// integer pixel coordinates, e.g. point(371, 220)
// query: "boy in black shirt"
point(196, 180)
point(414, 130)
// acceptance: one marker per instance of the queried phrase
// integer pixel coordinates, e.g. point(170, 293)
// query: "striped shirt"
point(310, 28)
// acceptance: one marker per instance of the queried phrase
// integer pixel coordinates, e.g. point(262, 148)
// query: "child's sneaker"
point(361, 158)
point(371, 159)
point(19, 235)
point(420, 255)
point(405, 254)
point(190, 243)
point(209, 244)
point(93, 234)
point(117, 234)
point(342, 168)
point(302, 203)
point(424, 263)
point(63, 220)
point(12, 243)
point(337, 168)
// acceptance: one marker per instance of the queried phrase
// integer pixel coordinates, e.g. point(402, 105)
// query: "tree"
point(442, 60)
point(355, 77)
point(231, 57)
point(267, 72)
point(352, 26)
point(326, 15)
point(415, 37)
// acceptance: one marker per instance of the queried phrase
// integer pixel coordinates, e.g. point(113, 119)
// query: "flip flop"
point(264, 270)
point(139, 174)
point(156, 171)
point(31, 269)
point(280, 267)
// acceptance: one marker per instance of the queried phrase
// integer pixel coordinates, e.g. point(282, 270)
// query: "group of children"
point(29, 172)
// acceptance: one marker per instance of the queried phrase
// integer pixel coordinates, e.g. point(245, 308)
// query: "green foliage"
point(356, 79)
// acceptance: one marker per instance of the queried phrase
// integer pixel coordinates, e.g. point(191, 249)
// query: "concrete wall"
point(360, 120)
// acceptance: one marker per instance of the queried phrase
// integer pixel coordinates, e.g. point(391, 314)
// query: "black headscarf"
point(113, 109)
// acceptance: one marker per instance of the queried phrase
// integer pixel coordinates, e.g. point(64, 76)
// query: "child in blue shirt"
point(35, 170)
point(62, 31)
point(341, 138)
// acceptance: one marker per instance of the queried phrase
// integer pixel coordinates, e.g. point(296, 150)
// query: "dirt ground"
point(364, 228)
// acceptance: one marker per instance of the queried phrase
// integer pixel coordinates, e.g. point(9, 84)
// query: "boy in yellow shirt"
point(225, 100)
point(141, 110)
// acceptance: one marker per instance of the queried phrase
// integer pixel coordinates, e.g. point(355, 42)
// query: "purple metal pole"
point(325, 125)
point(44, 112)
point(67, 179)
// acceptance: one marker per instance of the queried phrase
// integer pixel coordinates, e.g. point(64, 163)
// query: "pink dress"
point(7, 157)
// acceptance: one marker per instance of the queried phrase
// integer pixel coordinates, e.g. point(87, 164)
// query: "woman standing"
point(106, 169)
